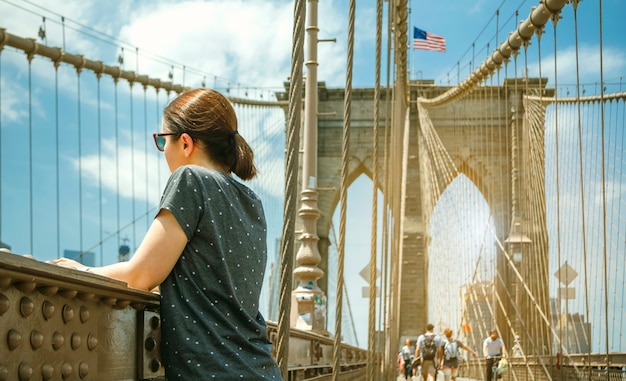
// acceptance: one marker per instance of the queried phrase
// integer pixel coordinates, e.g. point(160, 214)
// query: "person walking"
point(451, 355)
point(429, 349)
point(406, 354)
point(206, 247)
point(493, 350)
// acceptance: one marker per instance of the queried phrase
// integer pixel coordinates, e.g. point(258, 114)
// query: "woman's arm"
point(463, 346)
point(153, 260)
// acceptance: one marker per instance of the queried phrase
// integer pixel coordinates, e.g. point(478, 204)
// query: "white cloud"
point(248, 42)
point(613, 61)
point(114, 167)
point(14, 102)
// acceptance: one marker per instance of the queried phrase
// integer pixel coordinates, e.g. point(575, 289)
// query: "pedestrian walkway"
point(439, 378)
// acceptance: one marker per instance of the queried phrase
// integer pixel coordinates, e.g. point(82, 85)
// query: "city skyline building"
point(86, 258)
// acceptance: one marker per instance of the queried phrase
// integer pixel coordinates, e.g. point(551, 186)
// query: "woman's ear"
point(188, 143)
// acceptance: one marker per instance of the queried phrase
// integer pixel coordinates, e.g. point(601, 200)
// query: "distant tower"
point(123, 251)
point(274, 284)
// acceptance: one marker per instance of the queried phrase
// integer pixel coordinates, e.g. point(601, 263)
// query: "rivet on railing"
point(76, 341)
point(4, 373)
point(66, 370)
point(14, 339)
point(26, 307)
point(25, 372)
point(4, 283)
point(154, 322)
point(57, 340)
point(155, 365)
point(84, 314)
point(36, 339)
point(138, 306)
point(92, 342)
point(150, 344)
point(26, 287)
point(68, 313)
point(47, 372)
point(68, 294)
point(47, 309)
point(48, 290)
point(108, 301)
point(83, 369)
point(86, 296)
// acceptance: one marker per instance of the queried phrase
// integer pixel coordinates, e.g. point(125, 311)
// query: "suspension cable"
point(371, 342)
point(343, 199)
point(287, 248)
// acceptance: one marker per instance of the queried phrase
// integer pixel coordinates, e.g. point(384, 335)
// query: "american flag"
point(423, 40)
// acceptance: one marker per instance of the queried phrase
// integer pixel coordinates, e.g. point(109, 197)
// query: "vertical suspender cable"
point(98, 77)
point(620, 270)
point(384, 317)
point(117, 163)
point(536, 141)
point(524, 207)
point(56, 144)
point(503, 220)
point(604, 253)
point(347, 116)
point(132, 163)
point(158, 117)
point(371, 341)
point(582, 187)
point(30, 149)
point(80, 167)
point(145, 152)
point(505, 139)
point(557, 177)
point(291, 187)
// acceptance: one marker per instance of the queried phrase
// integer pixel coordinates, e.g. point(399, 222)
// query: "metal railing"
point(60, 323)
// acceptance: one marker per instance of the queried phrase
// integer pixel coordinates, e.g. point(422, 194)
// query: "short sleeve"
point(183, 198)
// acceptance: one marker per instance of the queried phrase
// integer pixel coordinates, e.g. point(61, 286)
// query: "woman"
point(451, 355)
point(206, 248)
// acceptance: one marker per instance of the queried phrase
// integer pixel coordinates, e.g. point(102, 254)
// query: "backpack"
point(429, 349)
point(451, 350)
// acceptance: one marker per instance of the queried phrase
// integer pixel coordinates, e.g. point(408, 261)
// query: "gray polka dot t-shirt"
point(211, 324)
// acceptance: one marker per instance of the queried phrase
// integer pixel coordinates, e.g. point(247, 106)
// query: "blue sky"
point(246, 46)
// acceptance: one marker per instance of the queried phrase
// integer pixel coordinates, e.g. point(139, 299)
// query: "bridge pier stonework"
point(483, 154)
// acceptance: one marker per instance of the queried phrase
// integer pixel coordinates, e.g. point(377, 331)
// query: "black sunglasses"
point(159, 139)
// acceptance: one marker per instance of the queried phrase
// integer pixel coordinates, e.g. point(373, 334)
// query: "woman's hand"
point(70, 264)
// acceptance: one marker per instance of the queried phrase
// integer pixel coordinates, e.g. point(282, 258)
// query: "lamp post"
point(308, 307)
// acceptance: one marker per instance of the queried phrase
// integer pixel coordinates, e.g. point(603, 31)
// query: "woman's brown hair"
point(207, 116)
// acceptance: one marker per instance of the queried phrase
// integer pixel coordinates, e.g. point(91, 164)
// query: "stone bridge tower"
point(483, 154)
